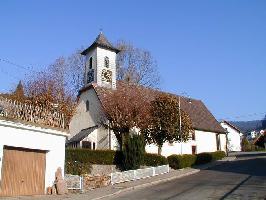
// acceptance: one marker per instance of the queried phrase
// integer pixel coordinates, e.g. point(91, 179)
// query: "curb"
point(144, 185)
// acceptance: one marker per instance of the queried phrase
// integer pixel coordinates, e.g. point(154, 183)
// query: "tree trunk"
point(125, 136)
point(160, 150)
point(119, 140)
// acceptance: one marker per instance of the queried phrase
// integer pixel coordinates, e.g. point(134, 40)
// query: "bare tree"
point(75, 72)
point(137, 66)
point(126, 109)
point(49, 88)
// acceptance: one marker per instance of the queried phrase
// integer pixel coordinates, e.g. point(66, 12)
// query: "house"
point(261, 139)
point(252, 135)
point(32, 148)
point(100, 80)
point(234, 136)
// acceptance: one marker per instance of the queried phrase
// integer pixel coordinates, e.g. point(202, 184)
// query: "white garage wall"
point(33, 137)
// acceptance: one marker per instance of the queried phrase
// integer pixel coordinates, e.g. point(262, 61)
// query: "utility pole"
point(180, 123)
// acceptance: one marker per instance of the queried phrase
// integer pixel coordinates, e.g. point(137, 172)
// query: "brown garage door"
point(23, 172)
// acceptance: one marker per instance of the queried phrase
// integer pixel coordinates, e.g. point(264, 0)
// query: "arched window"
point(87, 106)
point(90, 62)
point(106, 62)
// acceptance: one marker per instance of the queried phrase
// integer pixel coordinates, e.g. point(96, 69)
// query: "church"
point(100, 80)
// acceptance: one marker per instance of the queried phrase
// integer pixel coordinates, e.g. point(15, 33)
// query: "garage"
point(23, 172)
point(29, 157)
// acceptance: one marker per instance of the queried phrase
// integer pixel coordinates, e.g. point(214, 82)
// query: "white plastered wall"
point(204, 142)
point(83, 119)
point(223, 142)
point(101, 54)
point(34, 137)
point(234, 139)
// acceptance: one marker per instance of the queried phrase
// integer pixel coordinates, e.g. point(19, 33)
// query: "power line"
point(8, 74)
point(17, 65)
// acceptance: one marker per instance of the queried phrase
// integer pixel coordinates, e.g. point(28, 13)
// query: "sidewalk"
point(111, 190)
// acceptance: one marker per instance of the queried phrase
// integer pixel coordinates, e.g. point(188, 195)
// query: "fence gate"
point(23, 172)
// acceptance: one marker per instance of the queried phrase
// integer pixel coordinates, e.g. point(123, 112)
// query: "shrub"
point(133, 152)
point(203, 158)
point(154, 160)
point(181, 161)
point(218, 155)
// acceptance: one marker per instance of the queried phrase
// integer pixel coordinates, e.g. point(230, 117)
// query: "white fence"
point(74, 182)
point(131, 175)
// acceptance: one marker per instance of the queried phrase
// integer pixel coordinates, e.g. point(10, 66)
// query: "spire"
point(19, 91)
point(101, 41)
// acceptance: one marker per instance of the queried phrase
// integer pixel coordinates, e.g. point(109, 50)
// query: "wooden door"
point(194, 150)
point(23, 172)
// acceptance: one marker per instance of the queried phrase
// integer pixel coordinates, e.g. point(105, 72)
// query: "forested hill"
point(247, 126)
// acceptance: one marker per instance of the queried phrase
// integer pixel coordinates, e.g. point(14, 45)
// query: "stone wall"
point(103, 170)
point(91, 182)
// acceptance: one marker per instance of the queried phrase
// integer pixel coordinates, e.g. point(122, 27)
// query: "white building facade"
point(202, 142)
point(233, 135)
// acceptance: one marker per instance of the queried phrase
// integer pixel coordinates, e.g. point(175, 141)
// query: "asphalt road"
point(244, 178)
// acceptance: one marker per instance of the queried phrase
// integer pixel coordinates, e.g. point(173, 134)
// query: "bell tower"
point(100, 63)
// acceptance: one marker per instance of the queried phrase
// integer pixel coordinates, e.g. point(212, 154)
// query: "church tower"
point(100, 63)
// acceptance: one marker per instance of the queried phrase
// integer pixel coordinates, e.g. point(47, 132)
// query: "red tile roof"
point(202, 119)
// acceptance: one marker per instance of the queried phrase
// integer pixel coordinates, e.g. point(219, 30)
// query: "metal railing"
point(28, 112)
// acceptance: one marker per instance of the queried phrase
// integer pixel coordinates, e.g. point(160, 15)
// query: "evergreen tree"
point(133, 151)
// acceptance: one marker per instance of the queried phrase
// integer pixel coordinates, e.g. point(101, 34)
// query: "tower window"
point(90, 76)
point(106, 62)
point(87, 106)
point(90, 63)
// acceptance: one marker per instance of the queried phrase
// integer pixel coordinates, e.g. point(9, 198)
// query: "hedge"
point(218, 155)
point(187, 160)
point(79, 161)
point(203, 158)
point(100, 157)
point(154, 160)
point(181, 161)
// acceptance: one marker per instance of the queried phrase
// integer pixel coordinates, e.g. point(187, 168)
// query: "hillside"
point(247, 126)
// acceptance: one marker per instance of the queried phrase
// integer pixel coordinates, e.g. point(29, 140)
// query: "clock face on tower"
point(106, 76)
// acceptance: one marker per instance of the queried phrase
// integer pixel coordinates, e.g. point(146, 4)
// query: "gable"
point(83, 118)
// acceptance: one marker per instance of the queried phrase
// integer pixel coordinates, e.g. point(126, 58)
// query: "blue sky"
point(212, 50)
